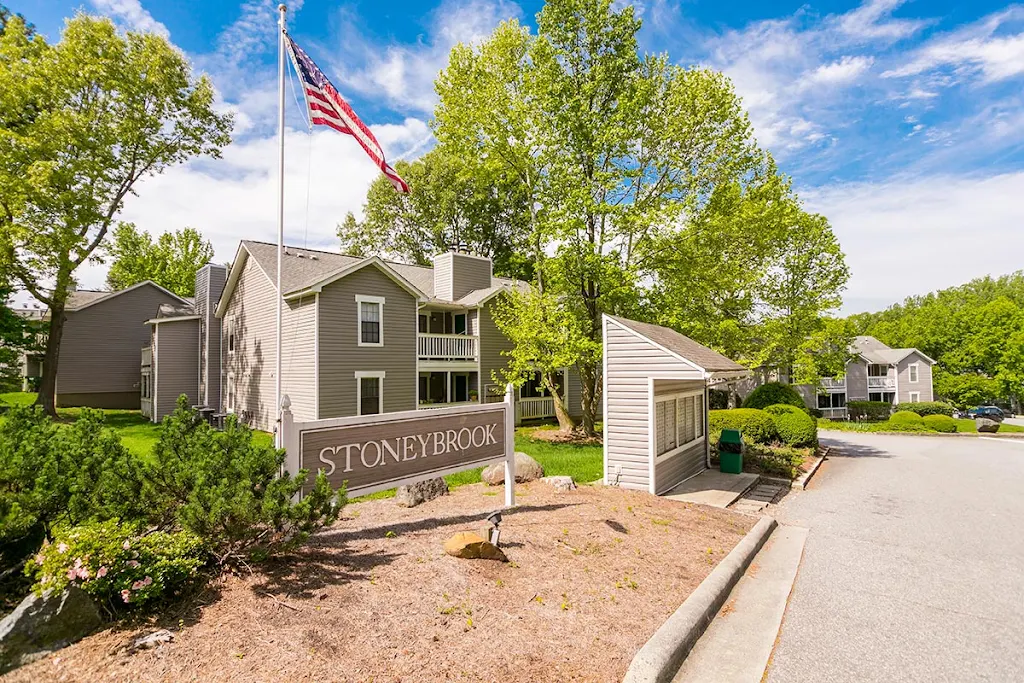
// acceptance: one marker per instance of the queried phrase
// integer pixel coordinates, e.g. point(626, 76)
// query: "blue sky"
point(902, 121)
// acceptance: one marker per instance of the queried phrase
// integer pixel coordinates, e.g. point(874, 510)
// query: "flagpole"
point(282, 9)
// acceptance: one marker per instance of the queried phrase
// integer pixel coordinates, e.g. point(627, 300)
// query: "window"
point(878, 370)
point(915, 396)
point(422, 326)
point(229, 404)
point(231, 334)
point(371, 320)
point(369, 393)
point(831, 400)
point(460, 323)
point(912, 373)
point(679, 422)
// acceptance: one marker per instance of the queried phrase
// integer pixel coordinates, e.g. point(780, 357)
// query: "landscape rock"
point(472, 546)
point(153, 640)
point(561, 483)
point(527, 469)
point(985, 425)
point(42, 624)
point(421, 492)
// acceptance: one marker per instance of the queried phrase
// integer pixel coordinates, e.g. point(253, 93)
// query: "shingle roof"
point(176, 310)
point(680, 344)
point(82, 297)
point(874, 351)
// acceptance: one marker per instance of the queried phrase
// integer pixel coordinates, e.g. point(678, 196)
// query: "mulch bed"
point(593, 573)
point(560, 437)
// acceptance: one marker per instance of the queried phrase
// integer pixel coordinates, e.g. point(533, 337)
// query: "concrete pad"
point(713, 488)
point(738, 644)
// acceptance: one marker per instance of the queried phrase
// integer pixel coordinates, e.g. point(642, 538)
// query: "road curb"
point(802, 482)
point(661, 656)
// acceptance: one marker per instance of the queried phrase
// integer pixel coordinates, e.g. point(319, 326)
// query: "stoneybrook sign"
point(377, 452)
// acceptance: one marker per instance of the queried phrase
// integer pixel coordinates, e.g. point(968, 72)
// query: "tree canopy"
point(171, 261)
point(81, 121)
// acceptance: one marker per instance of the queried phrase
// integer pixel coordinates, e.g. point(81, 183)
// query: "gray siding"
point(574, 396)
point(210, 282)
point(99, 352)
point(456, 275)
point(629, 362)
point(341, 357)
point(492, 343)
point(298, 368)
point(857, 381)
point(202, 296)
point(175, 364)
point(683, 465)
point(924, 379)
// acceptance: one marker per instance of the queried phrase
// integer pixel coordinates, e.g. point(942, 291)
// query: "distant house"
point(877, 373)
point(99, 350)
point(361, 335)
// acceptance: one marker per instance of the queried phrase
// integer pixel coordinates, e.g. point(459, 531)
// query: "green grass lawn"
point(583, 463)
point(965, 425)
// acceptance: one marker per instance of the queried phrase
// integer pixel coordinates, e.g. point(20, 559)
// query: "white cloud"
point(405, 73)
point(905, 236)
point(841, 72)
point(873, 21)
point(131, 14)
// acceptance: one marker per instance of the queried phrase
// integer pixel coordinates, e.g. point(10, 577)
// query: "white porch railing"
point(833, 383)
point(532, 408)
point(834, 413)
point(147, 407)
point(448, 347)
point(881, 382)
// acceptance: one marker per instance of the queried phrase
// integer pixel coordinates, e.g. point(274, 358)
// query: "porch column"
point(448, 386)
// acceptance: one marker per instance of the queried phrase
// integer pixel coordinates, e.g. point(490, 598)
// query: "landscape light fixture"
point(495, 519)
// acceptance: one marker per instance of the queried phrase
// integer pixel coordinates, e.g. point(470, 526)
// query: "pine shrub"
point(773, 393)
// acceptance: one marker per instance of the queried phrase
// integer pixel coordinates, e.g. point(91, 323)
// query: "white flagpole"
point(282, 9)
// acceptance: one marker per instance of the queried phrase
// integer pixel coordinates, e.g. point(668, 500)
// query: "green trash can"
point(730, 451)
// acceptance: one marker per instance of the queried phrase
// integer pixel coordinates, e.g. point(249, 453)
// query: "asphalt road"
point(914, 565)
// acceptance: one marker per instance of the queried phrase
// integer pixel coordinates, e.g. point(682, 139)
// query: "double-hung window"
point(369, 392)
point(912, 371)
point(370, 312)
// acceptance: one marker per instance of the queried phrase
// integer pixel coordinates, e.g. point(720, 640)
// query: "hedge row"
point(780, 422)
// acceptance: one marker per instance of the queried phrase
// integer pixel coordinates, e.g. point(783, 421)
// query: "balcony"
point(534, 408)
point(147, 357)
point(882, 383)
point(448, 347)
point(833, 384)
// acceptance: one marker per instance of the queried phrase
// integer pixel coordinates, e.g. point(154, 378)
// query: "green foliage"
point(869, 410)
point(171, 261)
point(773, 393)
point(905, 417)
point(718, 399)
point(784, 461)
point(924, 408)
point(939, 422)
point(965, 391)
point(119, 565)
point(755, 425)
point(228, 489)
point(450, 203)
point(794, 426)
point(891, 426)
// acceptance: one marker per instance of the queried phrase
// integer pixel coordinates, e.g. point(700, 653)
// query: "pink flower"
point(83, 573)
point(39, 558)
point(62, 548)
point(126, 595)
point(72, 573)
point(126, 545)
point(78, 562)
point(148, 580)
point(133, 564)
point(101, 573)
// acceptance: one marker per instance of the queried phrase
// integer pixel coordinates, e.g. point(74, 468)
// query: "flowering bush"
point(116, 564)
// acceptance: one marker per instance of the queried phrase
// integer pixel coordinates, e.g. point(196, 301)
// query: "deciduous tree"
point(171, 261)
point(81, 122)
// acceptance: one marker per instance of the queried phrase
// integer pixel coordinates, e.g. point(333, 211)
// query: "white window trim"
point(367, 299)
point(912, 396)
point(369, 374)
point(913, 373)
point(232, 340)
point(230, 394)
point(689, 444)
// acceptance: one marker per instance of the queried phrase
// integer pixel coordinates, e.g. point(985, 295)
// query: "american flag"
point(328, 108)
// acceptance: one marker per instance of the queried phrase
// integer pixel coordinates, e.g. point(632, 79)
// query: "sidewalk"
point(738, 644)
point(713, 488)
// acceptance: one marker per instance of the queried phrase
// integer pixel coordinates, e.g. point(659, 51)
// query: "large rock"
point(42, 624)
point(421, 492)
point(471, 546)
point(984, 424)
point(561, 483)
point(527, 469)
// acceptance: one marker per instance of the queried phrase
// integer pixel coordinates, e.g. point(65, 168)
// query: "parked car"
point(991, 412)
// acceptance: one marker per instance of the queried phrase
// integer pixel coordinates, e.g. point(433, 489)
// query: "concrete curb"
point(802, 482)
point(956, 435)
point(659, 659)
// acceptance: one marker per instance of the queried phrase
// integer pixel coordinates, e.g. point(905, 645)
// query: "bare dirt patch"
point(593, 573)
point(576, 437)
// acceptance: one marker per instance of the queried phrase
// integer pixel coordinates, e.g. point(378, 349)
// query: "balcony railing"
point(448, 347)
point(833, 383)
point(881, 382)
point(834, 413)
point(532, 408)
point(147, 356)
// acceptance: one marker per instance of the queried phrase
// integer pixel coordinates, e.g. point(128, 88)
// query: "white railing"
point(431, 406)
point(147, 407)
point(881, 382)
point(532, 408)
point(834, 413)
point(833, 383)
point(448, 347)
point(147, 356)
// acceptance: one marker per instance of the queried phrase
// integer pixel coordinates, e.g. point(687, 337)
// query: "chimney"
point(457, 274)
point(210, 281)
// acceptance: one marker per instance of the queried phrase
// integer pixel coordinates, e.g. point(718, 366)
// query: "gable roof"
point(874, 351)
point(80, 299)
point(707, 359)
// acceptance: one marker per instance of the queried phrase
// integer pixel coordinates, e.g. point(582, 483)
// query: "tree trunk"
point(565, 421)
point(47, 397)
point(590, 381)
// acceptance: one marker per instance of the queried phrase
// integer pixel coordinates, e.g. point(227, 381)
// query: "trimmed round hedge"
point(756, 426)
point(905, 417)
point(795, 427)
point(940, 423)
point(926, 408)
point(772, 394)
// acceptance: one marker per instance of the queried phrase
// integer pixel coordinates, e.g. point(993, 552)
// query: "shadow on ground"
point(845, 449)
